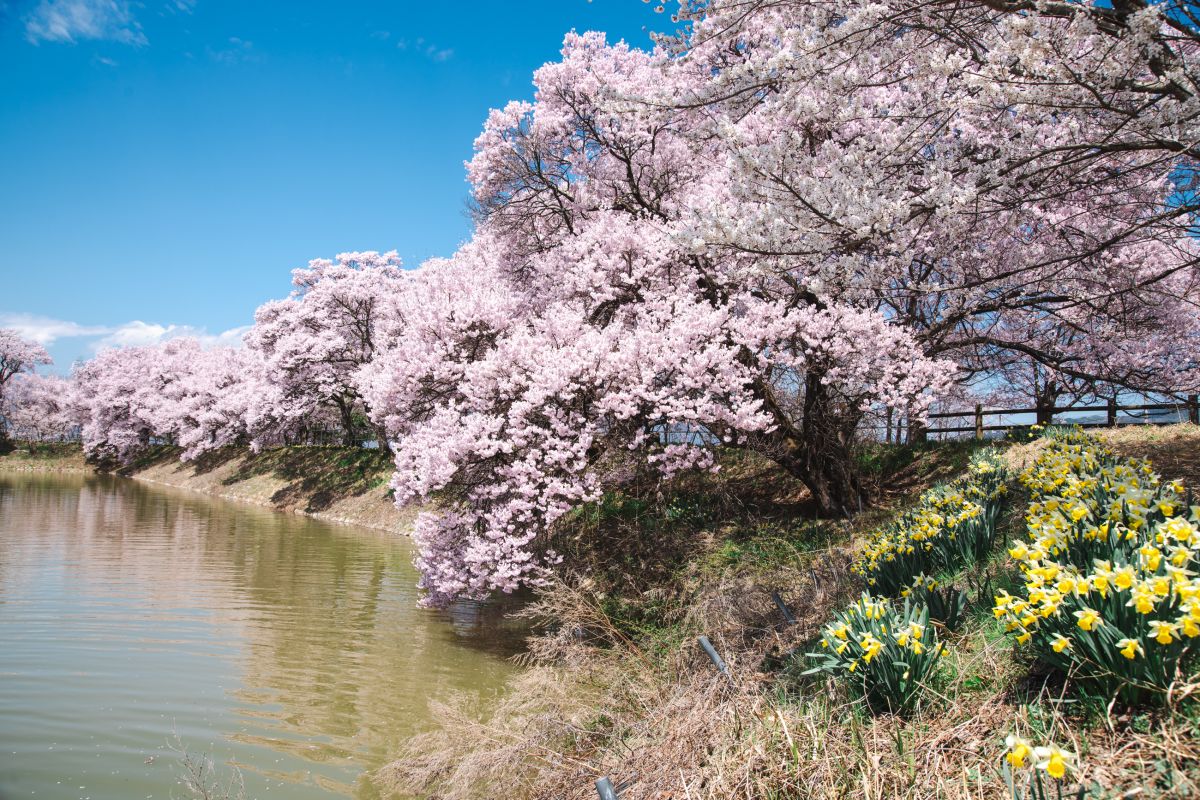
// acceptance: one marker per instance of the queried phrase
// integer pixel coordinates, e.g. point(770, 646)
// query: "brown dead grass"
point(1174, 449)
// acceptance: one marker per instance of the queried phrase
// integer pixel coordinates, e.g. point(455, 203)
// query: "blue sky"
point(168, 162)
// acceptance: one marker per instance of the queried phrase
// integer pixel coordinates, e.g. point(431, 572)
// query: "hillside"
point(619, 686)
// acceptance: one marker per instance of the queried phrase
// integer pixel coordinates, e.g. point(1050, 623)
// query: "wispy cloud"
point(431, 51)
point(76, 20)
point(47, 330)
point(236, 51)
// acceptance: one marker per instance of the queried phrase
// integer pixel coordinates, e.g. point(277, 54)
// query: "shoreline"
point(336, 485)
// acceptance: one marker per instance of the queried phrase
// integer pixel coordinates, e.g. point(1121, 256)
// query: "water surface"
point(293, 649)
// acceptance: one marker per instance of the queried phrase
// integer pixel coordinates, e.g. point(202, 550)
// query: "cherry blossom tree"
point(757, 231)
point(312, 343)
point(121, 398)
point(38, 408)
point(585, 324)
point(210, 404)
point(1005, 179)
point(18, 355)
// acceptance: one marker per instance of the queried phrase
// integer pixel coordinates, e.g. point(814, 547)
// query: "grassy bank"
point(618, 686)
point(43, 457)
point(337, 484)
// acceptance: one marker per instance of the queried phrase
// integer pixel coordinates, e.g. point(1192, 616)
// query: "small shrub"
point(882, 654)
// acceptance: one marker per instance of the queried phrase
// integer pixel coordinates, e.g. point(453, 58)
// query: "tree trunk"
point(1045, 401)
point(346, 411)
point(381, 437)
point(819, 453)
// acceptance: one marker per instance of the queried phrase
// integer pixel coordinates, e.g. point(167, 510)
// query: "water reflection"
point(291, 647)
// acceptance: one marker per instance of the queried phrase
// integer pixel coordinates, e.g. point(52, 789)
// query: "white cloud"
point(46, 331)
point(74, 20)
point(139, 334)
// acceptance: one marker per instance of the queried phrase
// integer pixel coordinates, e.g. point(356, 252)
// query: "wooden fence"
point(1045, 414)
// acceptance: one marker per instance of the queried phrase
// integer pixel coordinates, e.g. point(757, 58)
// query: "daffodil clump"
point(883, 654)
point(947, 604)
point(952, 526)
point(1110, 565)
point(1025, 764)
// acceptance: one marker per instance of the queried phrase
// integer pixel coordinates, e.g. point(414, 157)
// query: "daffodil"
point(1130, 648)
point(1123, 577)
point(1088, 619)
point(1053, 760)
point(871, 647)
point(1163, 632)
point(1018, 751)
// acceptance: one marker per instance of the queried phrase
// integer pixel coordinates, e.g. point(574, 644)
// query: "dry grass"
point(640, 702)
point(1174, 449)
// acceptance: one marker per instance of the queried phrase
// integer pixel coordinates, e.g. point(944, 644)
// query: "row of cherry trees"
point(792, 214)
point(296, 370)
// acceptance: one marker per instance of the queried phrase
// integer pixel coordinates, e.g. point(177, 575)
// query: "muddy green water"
point(290, 648)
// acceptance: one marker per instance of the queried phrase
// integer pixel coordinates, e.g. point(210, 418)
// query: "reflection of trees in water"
point(338, 663)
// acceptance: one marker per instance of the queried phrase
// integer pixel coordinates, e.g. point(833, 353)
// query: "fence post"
point(606, 790)
point(1112, 412)
point(979, 422)
point(1193, 410)
point(714, 656)
point(783, 609)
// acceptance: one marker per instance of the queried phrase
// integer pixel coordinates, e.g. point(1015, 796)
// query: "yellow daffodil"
point(1130, 648)
point(1123, 577)
point(1053, 760)
point(1018, 751)
point(1163, 632)
point(1088, 619)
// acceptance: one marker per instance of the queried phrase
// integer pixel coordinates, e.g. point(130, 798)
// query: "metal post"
point(1112, 411)
point(714, 656)
point(979, 422)
point(605, 789)
point(783, 609)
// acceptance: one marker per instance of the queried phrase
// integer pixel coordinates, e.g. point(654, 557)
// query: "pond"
point(136, 619)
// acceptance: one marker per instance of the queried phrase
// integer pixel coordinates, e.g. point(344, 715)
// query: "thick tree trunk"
point(346, 411)
point(1044, 402)
point(819, 454)
point(381, 437)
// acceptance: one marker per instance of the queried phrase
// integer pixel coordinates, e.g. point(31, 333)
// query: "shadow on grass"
point(316, 477)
